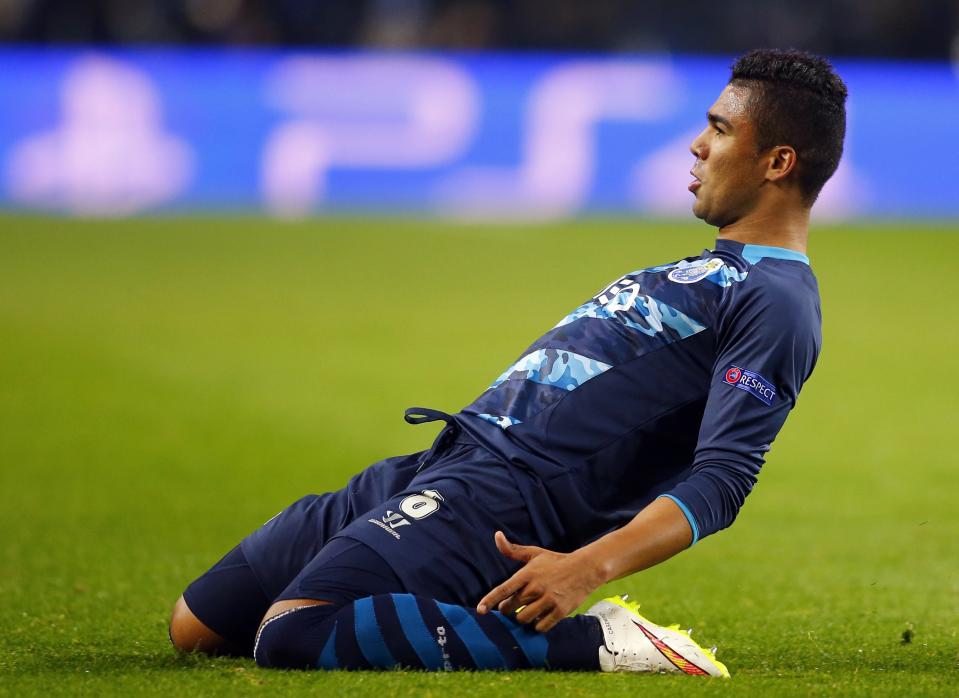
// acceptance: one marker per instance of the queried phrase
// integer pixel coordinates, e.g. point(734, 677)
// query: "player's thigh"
point(437, 537)
point(233, 595)
point(343, 571)
point(220, 610)
point(285, 544)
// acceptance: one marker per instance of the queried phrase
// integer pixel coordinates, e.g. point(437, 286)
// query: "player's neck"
point(786, 227)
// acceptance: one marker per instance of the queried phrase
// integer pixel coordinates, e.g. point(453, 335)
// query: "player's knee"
point(189, 634)
point(291, 638)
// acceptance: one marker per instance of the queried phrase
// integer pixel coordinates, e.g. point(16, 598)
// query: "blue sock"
point(402, 630)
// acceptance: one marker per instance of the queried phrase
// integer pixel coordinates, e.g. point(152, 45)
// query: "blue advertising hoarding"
point(93, 132)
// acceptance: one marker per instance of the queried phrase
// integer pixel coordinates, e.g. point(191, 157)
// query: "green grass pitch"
point(167, 385)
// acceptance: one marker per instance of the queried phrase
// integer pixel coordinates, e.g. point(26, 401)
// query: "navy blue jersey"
point(672, 381)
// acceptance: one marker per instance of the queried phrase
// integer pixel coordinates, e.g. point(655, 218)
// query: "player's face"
point(729, 169)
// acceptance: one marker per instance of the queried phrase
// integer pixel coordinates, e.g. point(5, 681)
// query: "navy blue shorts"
point(437, 533)
point(393, 528)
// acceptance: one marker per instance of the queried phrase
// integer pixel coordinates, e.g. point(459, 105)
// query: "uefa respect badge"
point(750, 382)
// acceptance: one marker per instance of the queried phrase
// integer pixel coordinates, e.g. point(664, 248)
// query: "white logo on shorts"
point(415, 506)
point(394, 520)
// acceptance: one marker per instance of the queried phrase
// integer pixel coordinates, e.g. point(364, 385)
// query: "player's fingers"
point(527, 595)
point(520, 553)
point(546, 623)
point(501, 593)
point(509, 606)
point(532, 611)
point(515, 602)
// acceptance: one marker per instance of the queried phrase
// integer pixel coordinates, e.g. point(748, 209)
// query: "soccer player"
point(633, 428)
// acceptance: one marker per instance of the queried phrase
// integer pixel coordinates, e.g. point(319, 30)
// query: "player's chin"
point(699, 209)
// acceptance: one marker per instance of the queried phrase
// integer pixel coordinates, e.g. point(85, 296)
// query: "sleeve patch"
point(750, 382)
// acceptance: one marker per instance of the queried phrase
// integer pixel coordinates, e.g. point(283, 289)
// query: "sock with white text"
point(402, 630)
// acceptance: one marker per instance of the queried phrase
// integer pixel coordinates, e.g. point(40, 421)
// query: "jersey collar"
point(754, 253)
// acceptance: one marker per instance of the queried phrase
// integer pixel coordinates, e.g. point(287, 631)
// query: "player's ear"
point(780, 162)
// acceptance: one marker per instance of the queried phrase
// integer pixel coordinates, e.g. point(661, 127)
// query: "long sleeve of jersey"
point(767, 345)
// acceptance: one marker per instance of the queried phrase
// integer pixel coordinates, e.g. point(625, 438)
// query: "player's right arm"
point(552, 585)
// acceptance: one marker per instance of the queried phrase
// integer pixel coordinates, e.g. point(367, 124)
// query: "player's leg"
point(436, 540)
point(342, 572)
point(221, 610)
point(187, 632)
point(228, 598)
point(402, 630)
point(358, 619)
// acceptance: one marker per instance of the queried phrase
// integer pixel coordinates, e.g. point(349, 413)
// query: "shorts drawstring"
point(421, 415)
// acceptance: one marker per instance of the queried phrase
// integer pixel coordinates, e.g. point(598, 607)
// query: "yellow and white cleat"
point(634, 643)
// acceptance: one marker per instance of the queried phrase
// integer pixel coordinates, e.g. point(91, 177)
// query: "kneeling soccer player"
point(634, 427)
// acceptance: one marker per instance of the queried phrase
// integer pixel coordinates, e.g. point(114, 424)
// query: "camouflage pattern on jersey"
point(502, 422)
point(555, 367)
point(727, 276)
point(520, 399)
point(639, 312)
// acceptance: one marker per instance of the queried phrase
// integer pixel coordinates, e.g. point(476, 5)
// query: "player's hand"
point(547, 589)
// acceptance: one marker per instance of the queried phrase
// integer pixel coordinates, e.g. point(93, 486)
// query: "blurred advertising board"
point(486, 136)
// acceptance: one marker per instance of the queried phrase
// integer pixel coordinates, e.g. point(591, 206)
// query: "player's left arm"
point(765, 353)
point(768, 342)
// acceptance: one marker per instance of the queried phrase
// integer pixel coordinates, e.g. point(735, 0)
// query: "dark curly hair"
point(796, 99)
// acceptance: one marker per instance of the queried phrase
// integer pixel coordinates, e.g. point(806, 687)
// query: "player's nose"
point(698, 146)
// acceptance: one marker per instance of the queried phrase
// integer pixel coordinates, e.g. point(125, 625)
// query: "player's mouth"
point(695, 184)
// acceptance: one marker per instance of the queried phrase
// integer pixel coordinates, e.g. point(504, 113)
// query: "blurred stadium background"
point(238, 237)
point(341, 120)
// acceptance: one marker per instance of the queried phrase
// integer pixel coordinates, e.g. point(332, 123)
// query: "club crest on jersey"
point(696, 271)
point(750, 382)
